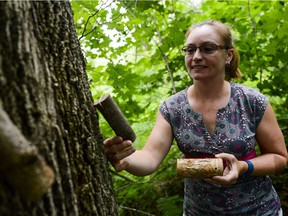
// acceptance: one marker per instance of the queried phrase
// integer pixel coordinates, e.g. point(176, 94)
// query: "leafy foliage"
point(133, 52)
point(172, 208)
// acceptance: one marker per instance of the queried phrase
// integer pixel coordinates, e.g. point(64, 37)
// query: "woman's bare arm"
point(145, 161)
point(273, 158)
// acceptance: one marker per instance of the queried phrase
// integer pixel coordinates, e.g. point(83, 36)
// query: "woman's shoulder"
point(172, 104)
point(178, 97)
point(240, 89)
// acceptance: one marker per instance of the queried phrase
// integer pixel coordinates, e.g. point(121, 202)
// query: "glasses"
point(204, 49)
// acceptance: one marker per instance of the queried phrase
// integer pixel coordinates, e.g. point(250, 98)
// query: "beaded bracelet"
point(250, 168)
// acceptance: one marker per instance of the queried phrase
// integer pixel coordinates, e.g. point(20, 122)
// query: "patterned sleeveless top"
point(234, 133)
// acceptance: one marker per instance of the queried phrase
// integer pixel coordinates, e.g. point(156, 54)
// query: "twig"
point(103, 23)
point(122, 176)
point(96, 12)
point(136, 210)
point(169, 71)
point(255, 35)
point(131, 184)
point(150, 180)
point(167, 65)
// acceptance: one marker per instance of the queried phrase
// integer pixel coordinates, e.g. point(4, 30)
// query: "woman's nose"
point(197, 55)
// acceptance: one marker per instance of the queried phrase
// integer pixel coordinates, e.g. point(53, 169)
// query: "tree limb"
point(255, 35)
point(94, 14)
point(165, 58)
point(21, 165)
point(104, 23)
point(136, 210)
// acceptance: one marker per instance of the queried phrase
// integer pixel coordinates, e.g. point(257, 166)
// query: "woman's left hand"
point(231, 171)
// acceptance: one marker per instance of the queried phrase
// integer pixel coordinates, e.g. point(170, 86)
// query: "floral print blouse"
point(236, 125)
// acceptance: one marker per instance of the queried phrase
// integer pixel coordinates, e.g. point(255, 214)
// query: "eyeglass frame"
point(217, 47)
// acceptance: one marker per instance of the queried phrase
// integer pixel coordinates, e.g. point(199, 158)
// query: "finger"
point(224, 180)
point(118, 147)
point(121, 155)
point(230, 176)
point(226, 171)
point(215, 182)
point(209, 181)
point(229, 160)
point(225, 156)
point(121, 165)
point(232, 163)
point(112, 140)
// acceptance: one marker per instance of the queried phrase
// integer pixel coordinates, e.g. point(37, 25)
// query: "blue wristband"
point(250, 168)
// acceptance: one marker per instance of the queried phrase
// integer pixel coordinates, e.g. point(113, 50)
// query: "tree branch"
point(104, 23)
point(24, 169)
point(165, 57)
point(94, 14)
point(136, 210)
point(121, 176)
point(255, 35)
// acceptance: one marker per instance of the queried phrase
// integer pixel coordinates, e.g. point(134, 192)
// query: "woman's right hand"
point(117, 150)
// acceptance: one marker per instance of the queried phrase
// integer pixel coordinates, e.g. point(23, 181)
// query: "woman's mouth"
point(198, 67)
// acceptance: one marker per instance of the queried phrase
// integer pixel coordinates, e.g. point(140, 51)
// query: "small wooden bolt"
point(115, 118)
point(200, 168)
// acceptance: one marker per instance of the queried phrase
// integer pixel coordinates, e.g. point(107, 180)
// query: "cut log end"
point(31, 181)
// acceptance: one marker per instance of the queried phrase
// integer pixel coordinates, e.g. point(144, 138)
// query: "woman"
point(214, 117)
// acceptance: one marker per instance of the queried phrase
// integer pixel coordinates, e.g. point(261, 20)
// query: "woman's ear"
point(230, 54)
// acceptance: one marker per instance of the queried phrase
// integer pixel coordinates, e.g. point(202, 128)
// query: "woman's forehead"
point(205, 33)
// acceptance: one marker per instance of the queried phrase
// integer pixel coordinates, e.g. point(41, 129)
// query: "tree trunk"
point(45, 92)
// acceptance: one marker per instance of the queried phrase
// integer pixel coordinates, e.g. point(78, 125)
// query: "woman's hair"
point(232, 70)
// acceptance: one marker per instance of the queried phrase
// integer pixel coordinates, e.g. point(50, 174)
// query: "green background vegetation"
point(133, 52)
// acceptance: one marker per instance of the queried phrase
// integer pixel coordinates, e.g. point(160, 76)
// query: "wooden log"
point(20, 163)
point(200, 168)
point(115, 118)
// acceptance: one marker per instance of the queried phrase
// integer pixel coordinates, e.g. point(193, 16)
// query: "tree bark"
point(45, 92)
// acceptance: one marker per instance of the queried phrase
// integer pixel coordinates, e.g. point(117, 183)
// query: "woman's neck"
point(212, 90)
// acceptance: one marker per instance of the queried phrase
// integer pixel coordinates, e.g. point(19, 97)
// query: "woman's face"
point(208, 61)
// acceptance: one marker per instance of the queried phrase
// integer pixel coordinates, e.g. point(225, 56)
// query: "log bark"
point(25, 170)
point(199, 168)
point(115, 118)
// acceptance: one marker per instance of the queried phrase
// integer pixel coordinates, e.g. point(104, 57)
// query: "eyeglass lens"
point(204, 48)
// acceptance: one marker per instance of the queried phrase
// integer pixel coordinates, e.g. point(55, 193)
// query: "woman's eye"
point(191, 50)
point(209, 48)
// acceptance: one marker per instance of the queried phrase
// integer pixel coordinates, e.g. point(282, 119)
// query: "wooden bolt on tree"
point(115, 118)
point(51, 152)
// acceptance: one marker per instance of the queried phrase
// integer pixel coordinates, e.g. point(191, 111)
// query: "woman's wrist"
point(250, 168)
point(243, 168)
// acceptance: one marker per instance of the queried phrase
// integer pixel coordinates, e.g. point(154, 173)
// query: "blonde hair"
point(231, 70)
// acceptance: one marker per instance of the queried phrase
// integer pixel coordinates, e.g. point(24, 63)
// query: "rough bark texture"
point(44, 90)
